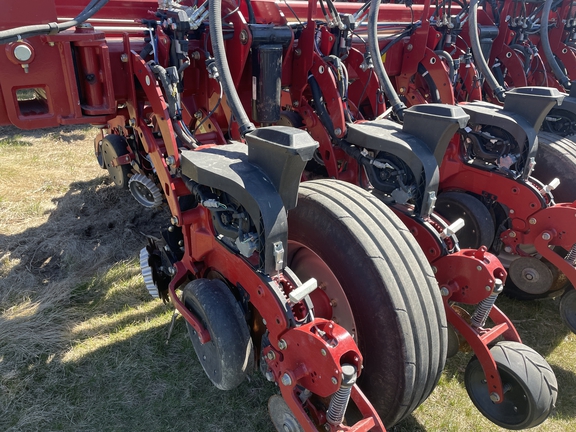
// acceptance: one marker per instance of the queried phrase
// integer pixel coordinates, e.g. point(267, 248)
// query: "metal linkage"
point(481, 313)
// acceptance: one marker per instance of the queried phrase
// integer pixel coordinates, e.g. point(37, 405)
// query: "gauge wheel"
point(375, 281)
point(530, 387)
point(556, 158)
point(112, 147)
point(228, 357)
point(478, 227)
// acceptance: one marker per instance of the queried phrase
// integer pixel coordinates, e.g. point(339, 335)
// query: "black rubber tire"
point(229, 355)
point(533, 390)
point(556, 157)
point(568, 309)
point(392, 292)
point(112, 147)
point(479, 227)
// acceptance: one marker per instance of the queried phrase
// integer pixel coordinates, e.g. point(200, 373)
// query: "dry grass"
point(82, 344)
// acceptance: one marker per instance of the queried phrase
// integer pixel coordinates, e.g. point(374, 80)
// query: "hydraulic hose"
point(498, 90)
point(11, 35)
point(244, 124)
point(558, 72)
point(449, 60)
point(397, 105)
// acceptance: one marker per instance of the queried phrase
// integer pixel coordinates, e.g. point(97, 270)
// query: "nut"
point(282, 344)
point(286, 380)
point(546, 236)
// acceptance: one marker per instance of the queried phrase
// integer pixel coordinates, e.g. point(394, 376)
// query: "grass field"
point(82, 344)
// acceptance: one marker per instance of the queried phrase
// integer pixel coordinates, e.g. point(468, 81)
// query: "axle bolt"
point(546, 236)
point(271, 355)
point(286, 380)
point(532, 221)
point(282, 344)
point(494, 397)
point(444, 291)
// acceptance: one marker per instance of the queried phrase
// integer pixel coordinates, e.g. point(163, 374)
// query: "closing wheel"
point(531, 278)
point(375, 281)
point(281, 415)
point(478, 223)
point(112, 147)
point(530, 387)
point(145, 191)
point(568, 309)
point(556, 158)
point(228, 357)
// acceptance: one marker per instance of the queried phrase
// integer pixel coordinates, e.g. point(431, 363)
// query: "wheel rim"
point(514, 410)
point(329, 300)
point(531, 275)
point(568, 309)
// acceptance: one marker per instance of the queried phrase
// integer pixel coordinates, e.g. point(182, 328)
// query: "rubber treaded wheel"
point(530, 386)
point(390, 289)
point(556, 157)
point(478, 223)
point(229, 355)
point(114, 146)
point(568, 309)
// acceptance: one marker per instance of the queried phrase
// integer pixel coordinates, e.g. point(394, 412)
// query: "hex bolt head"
point(494, 397)
point(124, 58)
point(170, 160)
point(286, 380)
point(337, 131)
point(334, 380)
point(174, 220)
point(532, 221)
point(512, 234)
point(546, 236)
point(487, 287)
point(444, 291)
point(479, 268)
point(271, 355)
point(282, 344)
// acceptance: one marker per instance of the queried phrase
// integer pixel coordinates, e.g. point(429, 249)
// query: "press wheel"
point(530, 387)
point(112, 147)
point(281, 415)
point(531, 278)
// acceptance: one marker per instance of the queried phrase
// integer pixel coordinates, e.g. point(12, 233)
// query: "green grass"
point(83, 346)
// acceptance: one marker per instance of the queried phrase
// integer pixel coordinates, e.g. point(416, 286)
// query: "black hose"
point(558, 72)
point(11, 35)
point(449, 60)
point(483, 67)
point(397, 105)
point(244, 124)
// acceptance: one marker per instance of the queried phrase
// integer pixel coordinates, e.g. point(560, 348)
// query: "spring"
point(571, 257)
point(481, 313)
point(340, 399)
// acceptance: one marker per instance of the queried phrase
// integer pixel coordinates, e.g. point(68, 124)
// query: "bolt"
point(286, 380)
point(51, 44)
point(479, 268)
point(487, 287)
point(323, 352)
point(282, 344)
point(269, 376)
point(402, 89)
point(512, 211)
point(271, 356)
point(296, 104)
point(512, 234)
point(532, 221)
point(444, 291)
point(132, 122)
point(546, 236)
point(174, 220)
point(334, 380)
point(243, 37)
point(508, 249)
point(172, 271)
point(434, 270)
point(124, 58)
point(494, 397)
point(321, 69)
point(263, 321)
point(409, 47)
point(338, 131)
point(198, 115)
point(297, 51)
point(170, 160)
